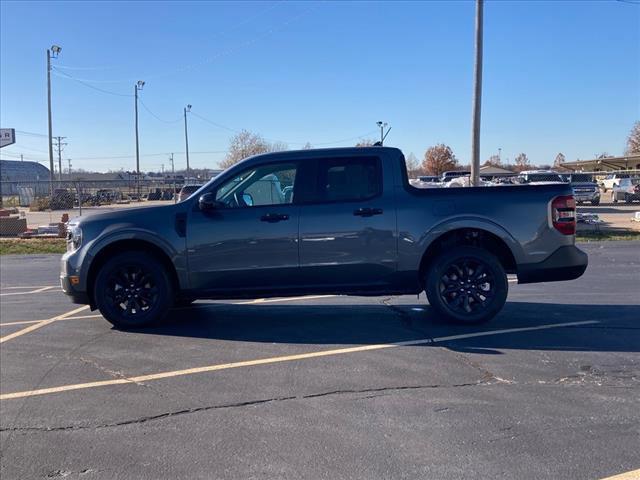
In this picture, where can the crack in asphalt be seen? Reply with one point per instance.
(249, 403)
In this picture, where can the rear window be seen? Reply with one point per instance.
(581, 177)
(349, 179)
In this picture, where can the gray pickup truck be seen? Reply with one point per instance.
(336, 221)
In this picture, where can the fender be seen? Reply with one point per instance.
(470, 222)
(117, 232)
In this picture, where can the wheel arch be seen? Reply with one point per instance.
(478, 236)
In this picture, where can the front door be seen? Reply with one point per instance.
(250, 241)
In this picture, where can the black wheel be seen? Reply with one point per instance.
(628, 198)
(595, 203)
(466, 285)
(132, 290)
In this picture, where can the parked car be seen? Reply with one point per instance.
(627, 189)
(429, 178)
(187, 191)
(613, 179)
(585, 188)
(540, 177)
(451, 174)
(354, 225)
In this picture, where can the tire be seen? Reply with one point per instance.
(133, 290)
(595, 203)
(452, 267)
(628, 198)
(614, 199)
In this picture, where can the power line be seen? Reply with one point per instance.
(31, 134)
(156, 116)
(82, 82)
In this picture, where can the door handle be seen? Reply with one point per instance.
(367, 212)
(273, 217)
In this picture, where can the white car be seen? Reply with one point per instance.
(612, 180)
(627, 189)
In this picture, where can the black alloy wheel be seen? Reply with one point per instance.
(466, 285)
(132, 290)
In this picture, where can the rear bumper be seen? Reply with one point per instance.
(566, 263)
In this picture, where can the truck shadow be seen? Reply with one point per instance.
(615, 327)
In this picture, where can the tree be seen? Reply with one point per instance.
(413, 166)
(365, 143)
(633, 140)
(307, 146)
(494, 160)
(245, 144)
(560, 159)
(604, 155)
(522, 162)
(438, 159)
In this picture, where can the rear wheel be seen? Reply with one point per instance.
(628, 198)
(132, 290)
(595, 202)
(466, 285)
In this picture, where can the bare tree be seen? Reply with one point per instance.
(493, 160)
(413, 166)
(438, 159)
(604, 155)
(633, 140)
(245, 144)
(522, 162)
(365, 143)
(307, 146)
(560, 159)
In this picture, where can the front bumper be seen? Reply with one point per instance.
(70, 269)
(566, 263)
(586, 197)
(69, 289)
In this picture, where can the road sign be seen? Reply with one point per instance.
(7, 136)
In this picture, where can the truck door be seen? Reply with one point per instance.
(250, 240)
(348, 224)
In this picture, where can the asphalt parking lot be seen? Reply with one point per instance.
(325, 387)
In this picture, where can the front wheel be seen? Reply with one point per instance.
(466, 285)
(132, 290)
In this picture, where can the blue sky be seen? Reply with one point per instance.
(558, 76)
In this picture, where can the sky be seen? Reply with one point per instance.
(558, 77)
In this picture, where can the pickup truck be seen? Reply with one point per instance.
(333, 221)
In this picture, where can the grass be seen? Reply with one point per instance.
(18, 246)
(607, 235)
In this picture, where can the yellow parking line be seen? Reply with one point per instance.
(272, 300)
(632, 475)
(14, 287)
(286, 358)
(26, 322)
(39, 290)
(42, 324)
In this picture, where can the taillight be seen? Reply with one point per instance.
(563, 214)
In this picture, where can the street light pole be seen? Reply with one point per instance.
(477, 99)
(186, 137)
(138, 86)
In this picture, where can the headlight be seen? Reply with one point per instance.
(74, 237)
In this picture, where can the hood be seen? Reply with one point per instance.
(138, 214)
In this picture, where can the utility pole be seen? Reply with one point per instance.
(173, 174)
(59, 150)
(477, 99)
(69, 171)
(21, 157)
(55, 49)
(138, 86)
(186, 136)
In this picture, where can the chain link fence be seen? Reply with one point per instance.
(69, 194)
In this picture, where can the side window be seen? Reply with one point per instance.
(259, 186)
(349, 179)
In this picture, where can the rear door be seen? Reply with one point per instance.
(348, 224)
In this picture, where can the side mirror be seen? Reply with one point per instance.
(207, 202)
